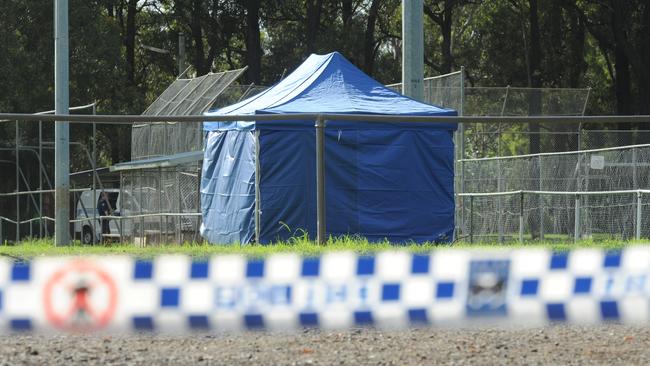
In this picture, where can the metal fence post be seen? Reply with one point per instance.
(122, 211)
(576, 225)
(179, 219)
(503, 110)
(540, 198)
(637, 235)
(635, 184)
(461, 144)
(61, 128)
(320, 181)
(142, 236)
(40, 178)
(199, 177)
(160, 209)
(521, 217)
(499, 203)
(471, 219)
(17, 162)
(181, 54)
(94, 163)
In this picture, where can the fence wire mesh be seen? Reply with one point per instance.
(449, 91)
(164, 191)
(443, 90)
(182, 97)
(552, 216)
(556, 185)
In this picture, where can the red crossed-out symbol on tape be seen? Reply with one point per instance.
(80, 297)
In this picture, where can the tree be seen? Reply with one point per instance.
(534, 75)
(441, 13)
(313, 18)
(253, 43)
(369, 45)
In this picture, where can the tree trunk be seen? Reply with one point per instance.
(314, 9)
(445, 29)
(575, 48)
(641, 68)
(346, 14)
(129, 39)
(197, 38)
(534, 76)
(369, 39)
(622, 79)
(622, 83)
(253, 44)
(346, 43)
(557, 38)
(444, 20)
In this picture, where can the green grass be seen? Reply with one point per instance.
(300, 245)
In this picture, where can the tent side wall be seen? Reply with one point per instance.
(387, 182)
(228, 187)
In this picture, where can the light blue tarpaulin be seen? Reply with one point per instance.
(383, 180)
(228, 186)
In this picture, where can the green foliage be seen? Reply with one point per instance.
(491, 39)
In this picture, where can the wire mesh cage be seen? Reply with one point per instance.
(160, 205)
(167, 200)
(584, 194)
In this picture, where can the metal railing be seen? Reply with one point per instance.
(119, 219)
(320, 126)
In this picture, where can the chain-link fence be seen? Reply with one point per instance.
(503, 139)
(551, 196)
(148, 193)
(443, 90)
(600, 184)
(450, 91)
(546, 215)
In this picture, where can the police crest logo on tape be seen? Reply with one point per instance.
(487, 289)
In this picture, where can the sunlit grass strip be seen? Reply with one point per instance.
(301, 245)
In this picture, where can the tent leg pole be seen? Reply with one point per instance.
(320, 181)
(258, 205)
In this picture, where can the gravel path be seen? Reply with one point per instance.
(571, 345)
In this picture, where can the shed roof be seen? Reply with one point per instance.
(159, 161)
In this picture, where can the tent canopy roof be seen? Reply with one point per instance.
(329, 84)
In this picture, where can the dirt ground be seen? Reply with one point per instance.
(569, 345)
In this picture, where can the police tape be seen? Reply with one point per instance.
(337, 290)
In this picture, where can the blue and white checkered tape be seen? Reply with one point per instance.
(336, 290)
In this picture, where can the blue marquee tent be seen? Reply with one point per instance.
(390, 181)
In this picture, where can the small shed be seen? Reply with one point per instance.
(390, 181)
